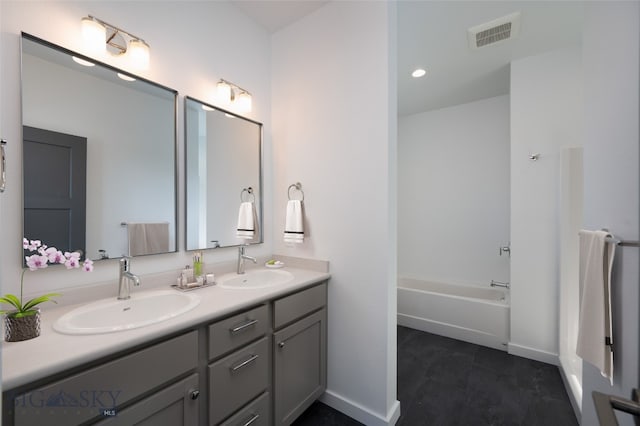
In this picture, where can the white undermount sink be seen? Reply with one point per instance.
(255, 278)
(142, 309)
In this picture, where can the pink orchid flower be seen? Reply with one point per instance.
(36, 261)
(87, 266)
(54, 255)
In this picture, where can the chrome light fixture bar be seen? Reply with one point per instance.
(230, 94)
(101, 36)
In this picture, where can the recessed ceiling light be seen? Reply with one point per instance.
(82, 62)
(126, 77)
(418, 73)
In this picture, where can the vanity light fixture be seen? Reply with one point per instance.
(100, 36)
(230, 94)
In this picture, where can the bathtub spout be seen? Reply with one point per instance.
(499, 284)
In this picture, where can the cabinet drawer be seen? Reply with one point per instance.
(238, 378)
(87, 394)
(255, 414)
(238, 330)
(297, 305)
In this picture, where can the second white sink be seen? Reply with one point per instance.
(256, 278)
(109, 315)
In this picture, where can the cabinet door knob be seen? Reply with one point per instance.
(194, 394)
(281, 345)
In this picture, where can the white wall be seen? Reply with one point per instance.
(453, 193)
(334, 130)
(545, 116)
(611, 74)
(210, 40)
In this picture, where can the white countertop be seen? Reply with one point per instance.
(52, 352)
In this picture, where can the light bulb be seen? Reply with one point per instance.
(94, 35)
(243, 102)
(138, 52)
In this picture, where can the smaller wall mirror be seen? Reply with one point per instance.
(223, 160)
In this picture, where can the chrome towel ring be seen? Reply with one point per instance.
(297, 186)
(250, 195)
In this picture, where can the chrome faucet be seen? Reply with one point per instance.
(242, 257)
(126, 276)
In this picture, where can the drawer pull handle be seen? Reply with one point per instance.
(241, 327)
(194, 394)
(281, 345)
(252, 419)
(243, 363)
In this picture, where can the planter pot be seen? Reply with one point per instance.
(17, 329)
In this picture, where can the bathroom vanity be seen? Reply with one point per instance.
(241, 357)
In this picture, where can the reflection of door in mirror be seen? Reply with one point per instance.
(55, 182)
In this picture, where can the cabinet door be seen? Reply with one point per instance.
(176, 405)
(300, 361)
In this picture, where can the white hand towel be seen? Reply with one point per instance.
(247, 221)
(595, 338)
(293, 225)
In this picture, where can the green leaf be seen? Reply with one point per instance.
(38, 300)
(10, 299)
(25, 314)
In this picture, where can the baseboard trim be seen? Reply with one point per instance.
(360, 413)
(535, 354)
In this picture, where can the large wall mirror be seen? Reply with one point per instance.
(99, 161)
(223, 160)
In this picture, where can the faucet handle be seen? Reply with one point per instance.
(124, 263)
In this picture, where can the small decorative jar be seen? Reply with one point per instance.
(17, 329)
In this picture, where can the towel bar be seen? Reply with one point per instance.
(623, 243)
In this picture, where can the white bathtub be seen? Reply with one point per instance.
(474, 314)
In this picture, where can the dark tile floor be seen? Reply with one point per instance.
(444, 382)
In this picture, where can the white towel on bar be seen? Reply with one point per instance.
(247, 228)
(595, 338)
(147, 238)
(293, 224)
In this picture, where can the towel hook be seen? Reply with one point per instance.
(249, 192)
(297, 186)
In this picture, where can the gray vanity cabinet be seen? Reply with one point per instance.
(261, 366)
(300, 347)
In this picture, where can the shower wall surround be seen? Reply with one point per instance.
(453, 193)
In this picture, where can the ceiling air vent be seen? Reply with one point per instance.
(495, 31)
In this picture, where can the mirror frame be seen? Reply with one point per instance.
(171, 91)
(260, 173)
